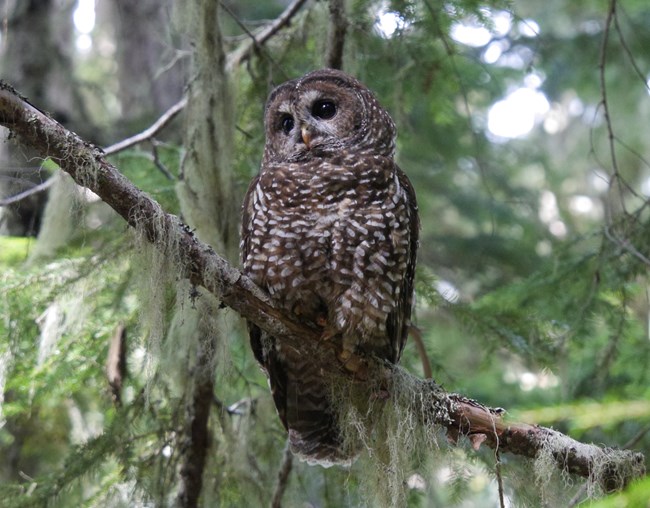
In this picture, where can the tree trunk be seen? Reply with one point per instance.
(41, 68)
(151, 73)
(209, 205)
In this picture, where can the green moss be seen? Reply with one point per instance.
(14, 250)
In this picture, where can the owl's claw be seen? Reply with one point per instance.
(353, 363)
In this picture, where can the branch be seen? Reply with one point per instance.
(244, 51)
(283, 477)
(611, 469)
(150, 131)
(116, 363)
(29, 192)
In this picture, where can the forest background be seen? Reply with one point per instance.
(522, 127)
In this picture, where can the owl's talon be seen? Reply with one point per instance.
(350, 361)
(327, 335)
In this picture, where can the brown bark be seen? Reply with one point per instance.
(38, 66)
(202, 266)
(208, 204)
(338, 27)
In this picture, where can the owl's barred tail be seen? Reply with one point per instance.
(315, 434)
(303, 400)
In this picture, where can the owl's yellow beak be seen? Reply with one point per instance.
(306, 136)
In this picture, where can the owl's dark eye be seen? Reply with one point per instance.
(323, 109)
(286, 124)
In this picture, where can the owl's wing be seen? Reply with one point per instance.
(262, 345)
(247, 213)
(399, 320)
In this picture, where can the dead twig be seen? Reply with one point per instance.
(255, 41)
(26, 193)
(283, 477)
(150, 131)
(416, 334)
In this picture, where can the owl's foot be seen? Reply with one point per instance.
(328, 332)
(354, 363)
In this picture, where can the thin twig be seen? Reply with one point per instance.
(497, 469)
(149, 132)
(29, 192)
(616, 177)
(283, 477)
(158, 163)
(630, 56)
(243, 52)
(256, 44)
(625, 244)
(415, 332)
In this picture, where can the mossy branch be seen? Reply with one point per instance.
(610, 469)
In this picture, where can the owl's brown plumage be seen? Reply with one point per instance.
(330, 231)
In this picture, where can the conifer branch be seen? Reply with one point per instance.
(461, 417)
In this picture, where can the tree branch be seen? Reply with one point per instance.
(283, 477)
(338, 26)
(244, 51)
(29, 192)
(150, 131)
(611, 469)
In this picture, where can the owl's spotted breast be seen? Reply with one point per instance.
(332, 238)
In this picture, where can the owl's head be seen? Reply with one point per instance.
(323, 113)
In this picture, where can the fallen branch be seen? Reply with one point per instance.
(611, 469)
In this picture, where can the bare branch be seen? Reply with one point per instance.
(244, 51)
(604, 102)
(26, 193)
(612, 469)
(416, 334)
(283, 477)
(149, 132)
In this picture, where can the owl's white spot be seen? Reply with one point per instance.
(359, 227)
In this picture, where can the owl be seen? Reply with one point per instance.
(330, 231)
